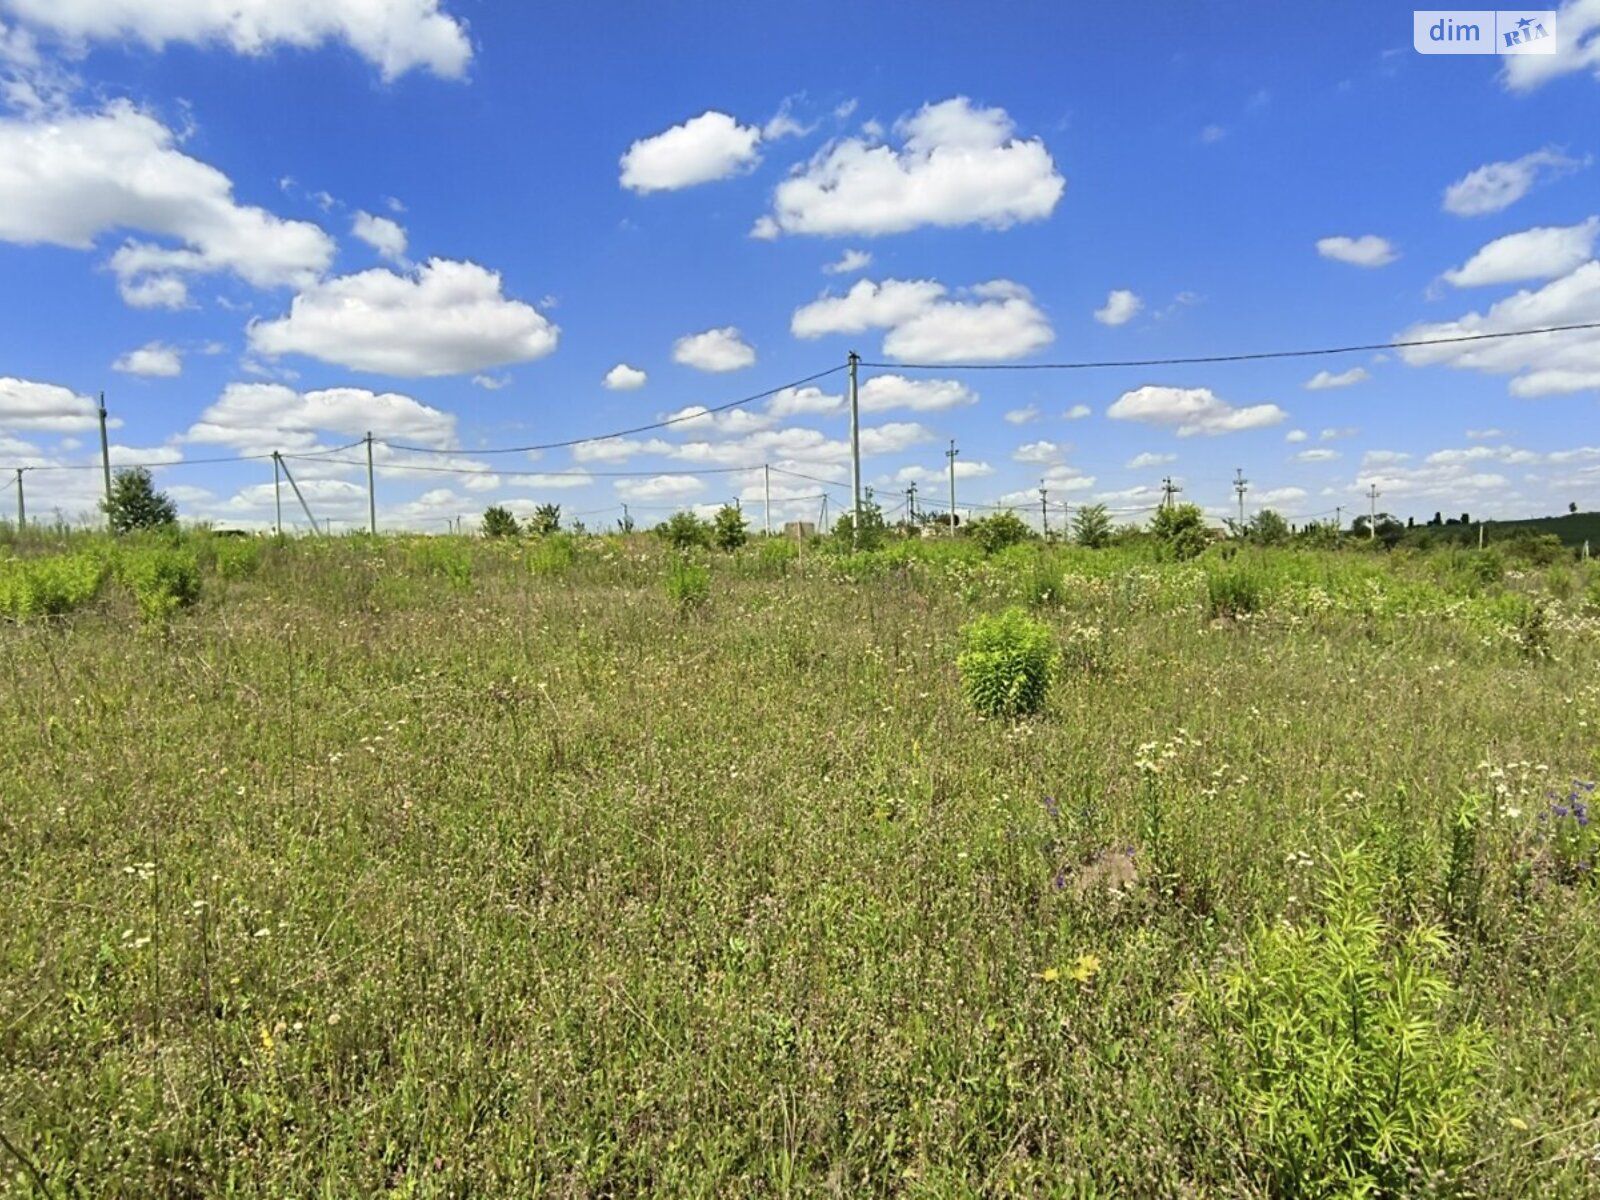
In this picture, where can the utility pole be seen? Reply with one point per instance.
(951, 455)
(1044, 508)
(22, 505)
(372, 496)
(1480, 535)
(766, 502)
(822, 517)
(1338, 518)
(1372, 520)
(277, 494)
(1239, 485)
(627, 523)
(911, 502)
(855, 448)
(105, 458)
(1168, 491)
(278, 458)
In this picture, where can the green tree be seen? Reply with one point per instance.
(1180, 531)
(1268, 528)
(1091, 526)
(546, 519)
(134, 503)
(684, 531)
(873, 528)
(499, 522)
(729, 530)
(999, 530)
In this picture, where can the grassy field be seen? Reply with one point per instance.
(463, 868)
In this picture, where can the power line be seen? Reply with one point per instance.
(601, 437)
(488, 470)
(194, 462)
(1228, 358)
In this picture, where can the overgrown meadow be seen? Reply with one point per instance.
(576, 867)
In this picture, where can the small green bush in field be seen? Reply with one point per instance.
(1006, 663)
(1338, 1049)
(442, 556)
(1235, 591)
(161, 579)
(45, 587)
(237, 558)
(553, 554)
(688, 584)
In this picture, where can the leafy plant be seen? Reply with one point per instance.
(685, 531)
(1268, 528)
(1343, 1065)
(44, 587)
(552, 555)
(161, 579)
(688, 584)
(999, 530)
(1006, 663)
(1235, 590)
(1569, 835)
(873, 529)
(546, 520)
(134, 502)
(499, 521)
(1180, 532)
(1091, 526)
(728, 529)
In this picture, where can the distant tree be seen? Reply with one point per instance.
(1572, 507)
(873, 529)
(999, 530)
(546, 519)
(498, 521)
(728, 528)
(1091, 526)
(1180, 531)
(625, 525)
(134, 503)
(1466, 520)
(685, 531)
(1268, 528)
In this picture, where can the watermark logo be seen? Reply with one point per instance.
(1484, 31)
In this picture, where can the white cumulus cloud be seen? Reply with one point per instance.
(68, 179)
(446, 318)
(1121, 306)
(1541, 253)
(257, 417)
(623, 378)
(394, 35)
(991, 321)
(383, 234)
(849, 263)
(1323, 380)
(46, 407)
(884, 392)
(714, 350)
(151, 359)
(1076, 413)
(708, 147)
(1140, 462)
(1192, 411)
(1577, 48)
(957, 165)
(1369, 250)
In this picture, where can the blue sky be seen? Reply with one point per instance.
(449, 222)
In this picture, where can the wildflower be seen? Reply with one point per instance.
(1053, 807)
(1086, 968)
(1050, 974)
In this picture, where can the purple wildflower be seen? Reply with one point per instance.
(1053, 807)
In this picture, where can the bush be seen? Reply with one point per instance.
(1006, 663)
(873, 529)
(499, 521)
(1045, 585)
(1091, 526)
(1235, 590)
(546, 520)
(688, 584)
(1268, 528)
(998, 531)
(1180, 532)
(46, 587)
(442, 556)
(237, 558)
(728, 529)
(1337, 1051)
(553, 555)
(161, 579)
(685, 531)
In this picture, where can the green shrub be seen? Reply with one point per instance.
(1180, 532)
(236, 558)
(1091, 526)
(688, 584)
(728, 529)
(1235, 590)
(999, 530)
(774, 554)
(499, 521)
(1338, 1052)
(444, 557)
(685, 531)
(45, 587)
(553, 555)
(161, 579)
(1006, 663)
(546, 520)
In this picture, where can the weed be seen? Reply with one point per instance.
(1006, 663)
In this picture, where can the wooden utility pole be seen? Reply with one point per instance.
(22, 505)
(951, 455)
(277, 494)
(1239, 485)
(1044, 508)
(1168, 491)
(1372, 519)
(278, 458)
(855, 448)
(766, 493)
